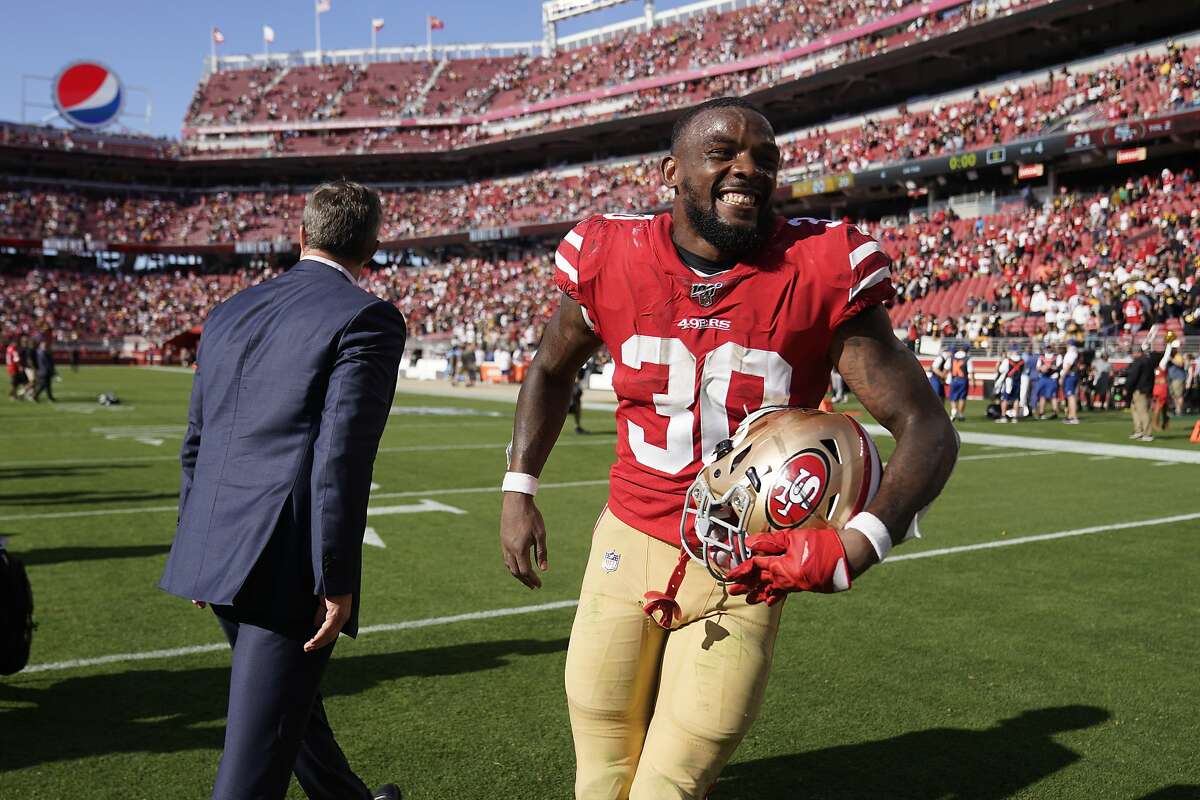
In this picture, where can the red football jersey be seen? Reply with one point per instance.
(695, 354)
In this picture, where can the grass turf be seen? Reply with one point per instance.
(1054, 669)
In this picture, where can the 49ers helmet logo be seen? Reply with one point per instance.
(798, 488)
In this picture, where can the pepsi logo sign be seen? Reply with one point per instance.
(88, 95)
(798, 488)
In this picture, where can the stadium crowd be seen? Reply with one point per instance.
(700, 40)
(457, 90)
(1134, 88)
(69, 305)
(1138, 86)
(1105, 263)
(46, 137)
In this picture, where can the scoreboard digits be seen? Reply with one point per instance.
(963, 161)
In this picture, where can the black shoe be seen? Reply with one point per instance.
(579, 429)
(389, 791)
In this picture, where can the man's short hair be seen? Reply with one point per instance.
(342, 218)
(685, 121)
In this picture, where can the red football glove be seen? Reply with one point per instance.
(805, 560)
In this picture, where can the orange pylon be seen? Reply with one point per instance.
(1195, 438)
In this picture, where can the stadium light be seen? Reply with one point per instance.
(555, 11)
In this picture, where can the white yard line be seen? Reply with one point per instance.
(178, 652)
(584, 441)
(84, 462)
(987, 456)
(498, 446)
(1043, 537)
(102, 512)
(1069, 446)
(494, 613)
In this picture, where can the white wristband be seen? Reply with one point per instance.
(519, 482)
(876, 532)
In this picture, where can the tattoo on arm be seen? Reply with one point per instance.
(890, 383)
(546, 391)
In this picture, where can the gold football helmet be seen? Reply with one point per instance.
(784, 467)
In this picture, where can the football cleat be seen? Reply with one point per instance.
(783, 468)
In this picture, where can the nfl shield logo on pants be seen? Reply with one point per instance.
(706, 293)
(611, 560)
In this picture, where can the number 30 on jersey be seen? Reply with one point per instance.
(677, 404)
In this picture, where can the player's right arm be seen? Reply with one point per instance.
(566, 345)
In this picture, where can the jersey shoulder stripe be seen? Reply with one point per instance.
(569, 252)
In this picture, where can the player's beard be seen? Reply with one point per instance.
(731, 240)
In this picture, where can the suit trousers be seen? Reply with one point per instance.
(277, 722)
(1140, 406)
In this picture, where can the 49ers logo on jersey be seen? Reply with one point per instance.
(798, 488)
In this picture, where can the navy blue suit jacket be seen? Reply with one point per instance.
(294, 383)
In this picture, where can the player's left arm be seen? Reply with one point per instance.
(888, 380)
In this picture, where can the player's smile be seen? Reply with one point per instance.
(739, 198)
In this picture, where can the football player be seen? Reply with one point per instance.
(710, 311)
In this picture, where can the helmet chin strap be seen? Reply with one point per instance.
(664, 603)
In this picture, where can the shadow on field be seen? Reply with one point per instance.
(64, 555)
(64, 471)
(1176, 792)
(81, 497)
(938, 763)
(165, 711)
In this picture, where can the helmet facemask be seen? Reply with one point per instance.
(718, 535)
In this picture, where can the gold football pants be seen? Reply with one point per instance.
(656, 714)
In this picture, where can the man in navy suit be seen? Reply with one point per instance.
(294, 381)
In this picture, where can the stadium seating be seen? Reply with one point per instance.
(1046, 267)
(1131, 85)
(44, 137)
(669, 57)
(1128, 85)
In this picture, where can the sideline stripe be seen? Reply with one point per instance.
(1031, 443)
(1068, 446)
(560, 604)
(1007, 441)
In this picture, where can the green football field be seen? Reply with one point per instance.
(1032, 666)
